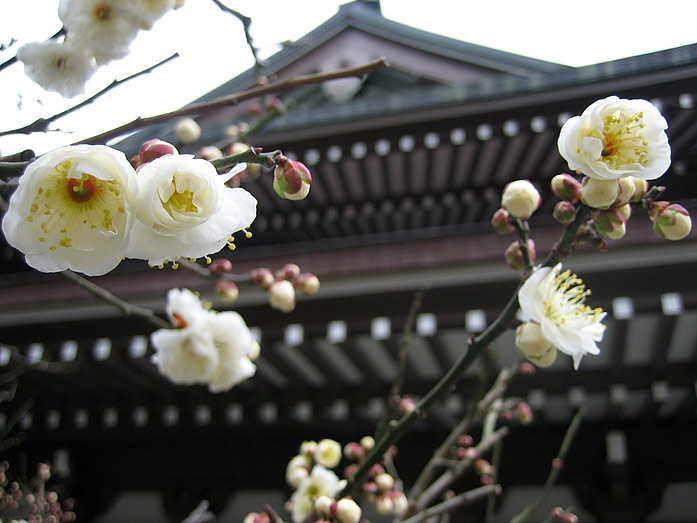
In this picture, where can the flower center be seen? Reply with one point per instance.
(181, 202)
(103, 12)
(565, 301)
(67, 207)
(622, 140)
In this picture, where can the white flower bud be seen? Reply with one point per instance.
(348, 511)
(520, 199)
(328, 453)
(384, 481)
(599, 194)
(383, 504)
(282, 296)
(187, 131)
(367, 442)
(530, 340)
(323, 505)
(626, 191)
(210, 152)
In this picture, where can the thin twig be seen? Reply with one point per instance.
(251, 155)
(225, 101)
(460, 500)
(128, 309)
(557, 465)
(41, 125)
(391, 409)
(246, 23)
(523, 230)
(207, 274)
(200, 514)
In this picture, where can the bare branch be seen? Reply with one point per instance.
(41, 125)
(128, 309)
(234, 99)
(246, 23)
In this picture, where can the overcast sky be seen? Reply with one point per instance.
(213, 49)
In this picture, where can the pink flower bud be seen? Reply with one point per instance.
(523, 412)
(255, 109)
(291, 180)
(599, 194)
(354, 450)
(370, 487)
(465, 440)
(501, 221)
(307, 283)
(261, 277)
(558, 463)
(670, 221)
(514, 255)
(570, 518)
(526, 368)
(376, 470)
(406, 405)
(564, 212)
(556, 513)
(220, 266)
(471, 453)
(210, 152)
(610, 224)
(481, 466)
(226, 291)
(274, 104)
(289, 271)
(350, 470)
(566, 187)
(520, 199)
(152, 149)
(282, 296)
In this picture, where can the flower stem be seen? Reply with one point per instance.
(565, 246)
(251, 155)
(465, 498)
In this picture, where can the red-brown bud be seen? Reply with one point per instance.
(501, 221)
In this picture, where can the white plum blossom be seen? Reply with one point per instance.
(614, 138)
(147, 12)
(57, 66)
(206, 347)
(105, 28)
(320, 482)
(186, 210)
(556, 301)
(236, 349)
(73, 209)
(185, 355)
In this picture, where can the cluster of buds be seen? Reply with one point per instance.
(517, 410)
(282, 284)
(326, 452)
(330, 510)
(563, 516)
(671, 221)
(151, 150)
(485, 470)
(257, 517)
(271, 104)
(381, 490)
(291, 179)
(38, 504)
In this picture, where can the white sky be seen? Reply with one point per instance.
(213, 50)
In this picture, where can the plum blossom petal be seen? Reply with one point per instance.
(73, 209)
(615, 138)
(57, 66)
(320, 482)
(556, 301)
(185, 210)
